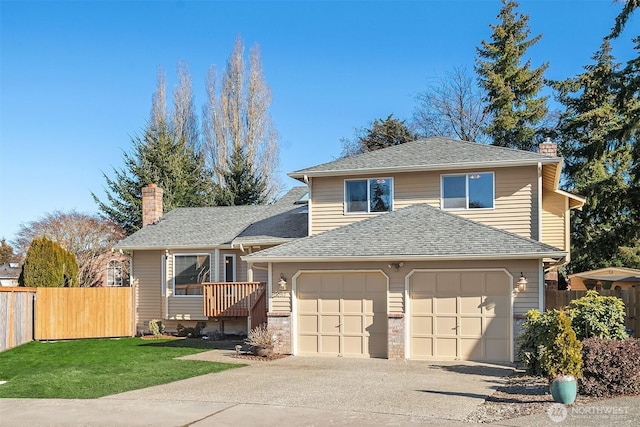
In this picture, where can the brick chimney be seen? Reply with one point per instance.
(548, 148)
(151, 204)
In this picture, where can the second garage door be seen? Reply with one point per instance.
(342, 314)
(461, 315)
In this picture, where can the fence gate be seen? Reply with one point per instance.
(67, 313)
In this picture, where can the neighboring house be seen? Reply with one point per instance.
(432, 249)
(9, 274)
(605, 278)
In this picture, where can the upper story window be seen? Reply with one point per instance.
(189, 272)
(115, 276)
(468, 191)
(368, 195)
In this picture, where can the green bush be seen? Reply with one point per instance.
(48, 264)
(191, 332)
(610, 367)
(156, 327)
(562, 354)
(533, 341)
(595, 315)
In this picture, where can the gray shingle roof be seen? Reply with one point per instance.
(436, 153)
(415, 232)
(220, 225)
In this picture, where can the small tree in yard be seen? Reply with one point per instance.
(48, 264)
(595, 315)
(562, 355)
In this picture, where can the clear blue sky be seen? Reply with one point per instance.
(77, 76)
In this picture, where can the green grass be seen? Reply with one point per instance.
(85, 369)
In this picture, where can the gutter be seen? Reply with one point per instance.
(406, 258)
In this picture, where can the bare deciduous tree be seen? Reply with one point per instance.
(453, 107)
(185, 123)
(236, 117)
(88, 237)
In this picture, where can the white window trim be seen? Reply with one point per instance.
(173, 272)
(466, 196)
(367, 180)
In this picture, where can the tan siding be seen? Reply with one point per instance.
(147, 276)
(515, 206)
(554, 214)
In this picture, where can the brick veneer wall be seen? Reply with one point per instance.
(396, 336)
(280, 323)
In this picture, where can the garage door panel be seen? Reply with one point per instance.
(308, 323)
(448, 283)
(446, 305)
(471, 326)
(471, 305)
(329, 344)
(446, 348)
(422, 325)
(421, 303)
(309, 343)
(496, 349)
(467, 316)
(497, 284)
(330, 323)
(352, 305)
(446, 325)
(351, 314)
(496, 328)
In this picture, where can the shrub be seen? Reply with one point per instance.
(595, 315)
(610, 367)
(262, 337)
(156, 327)
(534, 339)
(48, 264)
(562, 354)
(191, 332)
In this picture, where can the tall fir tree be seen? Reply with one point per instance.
(241, 185)
(512, 87)
(158, 157)
(598, 163)
(383, 133)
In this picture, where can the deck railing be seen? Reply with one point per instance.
(234, 299)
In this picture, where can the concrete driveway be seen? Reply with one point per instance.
(288, 391)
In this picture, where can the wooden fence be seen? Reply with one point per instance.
(630, 297)
(16, 316)
(66, 313)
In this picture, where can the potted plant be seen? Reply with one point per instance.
(562, 360)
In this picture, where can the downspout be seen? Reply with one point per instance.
(307, 181)
(539, 202)
(216, 271)
(269, 288)
(164, 284)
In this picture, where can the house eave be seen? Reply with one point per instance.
(300, 175)
(406, 258)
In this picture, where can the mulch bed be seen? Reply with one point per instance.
(260, 358)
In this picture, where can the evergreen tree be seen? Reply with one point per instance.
(240, 186)
(6, 252)
(48, 264)
(598, 163)
(161, 158)
(381, 134)
(511, 87)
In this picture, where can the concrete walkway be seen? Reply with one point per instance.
(294, 391)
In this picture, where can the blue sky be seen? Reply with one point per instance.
(76, 77)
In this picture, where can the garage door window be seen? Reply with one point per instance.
(368, 195)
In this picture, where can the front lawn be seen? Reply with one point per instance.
(86, 369)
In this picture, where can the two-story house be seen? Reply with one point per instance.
(432, 249)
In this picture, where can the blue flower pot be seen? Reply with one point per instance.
(564, 390)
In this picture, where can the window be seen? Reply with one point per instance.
(368, 195)
(468, 191)
(189, 272)
(114, 273)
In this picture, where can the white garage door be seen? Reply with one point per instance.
(342, 314)
(463, 315)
